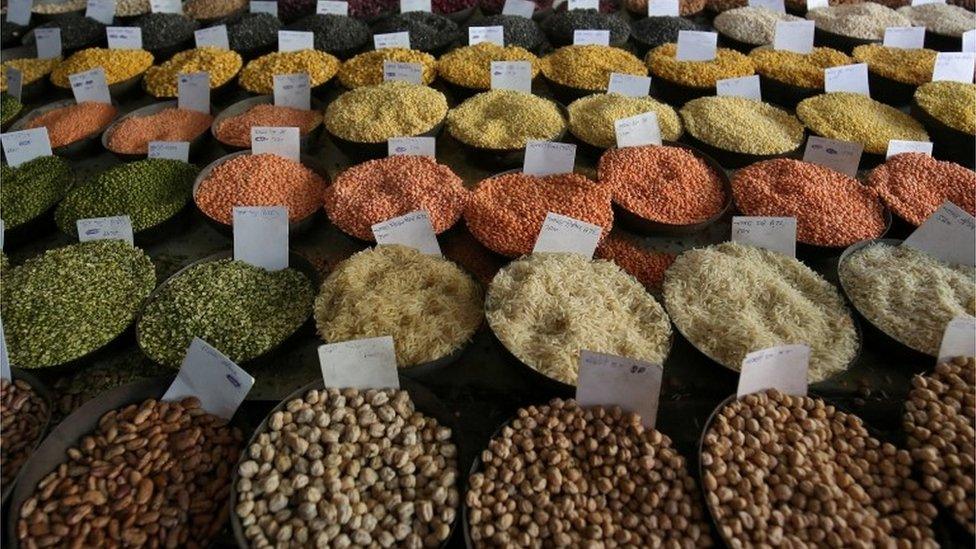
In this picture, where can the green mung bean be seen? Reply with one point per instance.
(31, 188)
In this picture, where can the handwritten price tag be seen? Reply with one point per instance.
(548, 157)
(264, 7)
(511, 75)
(403, 72)
(969, 41)
(847, 78)
(923, 2)
(663, 8)
(897, 146)
(783, 368)
(90, 86)
(745, 86)
(334, 7)
(293, 90)
(638, 130)
(696, 46)
(173, 150)
(47, 42)
(521, 8)
(591, 37)
(817, 4)
(25, 145)
(561, 233)
(495, 35)
(102, 11)
(295, 40)
(193, 91)
(777, 234)
(261, 236)
(908, 38)
(414, 5)
(19, 11)
(629, 85)
(608, 380)
(840, 156)
(959, 338)
(5, 372)
(15, 82)
(283, 142)
(413, 230)
(411, 146)
(124, 38)
(361, 363)
(105, 228)
(796, 36)
(391, 40)
(777, 6)
(166, 6)
(212, 36)
(954, 66)
(948, 235)
(209, 375)
(583, 4)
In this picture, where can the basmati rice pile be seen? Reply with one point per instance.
(428, 304)
(908, 294)
(547, 307)
(729, 300)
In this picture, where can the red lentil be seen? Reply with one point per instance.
(236, 130)
(74, 122)
(505, 212)
(914, 185)
(647, 266)
(831, 209)
(132, 135)
(381, 189)
(260, 180)
(662, 184)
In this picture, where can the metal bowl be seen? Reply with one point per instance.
(890, 91)
(840, 42)
(783, 94)
(950, 143)
(734, 159)
(47, 397)
(195, 144)
(360, 152)
(37, 87)
(676, 94)
(76, 149)
(306, 141)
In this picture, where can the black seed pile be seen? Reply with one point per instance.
(428, 31)
(290, 10)
(10, 33)
(165, 30)
(519, 31)
(651, 32)
(77, 32)
(560, 27)
(335, 34)
(249, 32)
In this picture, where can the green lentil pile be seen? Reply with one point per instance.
(32, 188)
(373, 114)
(742, 125)
(70, 301)
(591, 118)
(505, 119)
(242, 310)
(10, 107)
(149, 191)
(854, 117)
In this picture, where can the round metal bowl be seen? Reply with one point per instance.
(37, 17)
(116, 90)
(815, 251)
(567, 94)
(76, 149)
(942, 42)
(306, 141)
(726, 41)
(507, 158)
(195, 144)
(36, 88)
(890, 91)
(676, 94)
(360, 152)
(734, 159)
(47, 397)
(950, 143)
(29, 231)
(783, 94)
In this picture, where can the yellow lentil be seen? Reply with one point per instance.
(258, 75)
(505, 119)
(589, 67)
(119, 65)
(592, 118)
(220, 63)
(742, 125)
(805, 70)
(366, 69)
(858, 118)
(31, 69)
(697, 74)
(373, 114)
(950, 103)
(907, 66)
(470, 66)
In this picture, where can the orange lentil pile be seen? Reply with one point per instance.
(831, 209)
(647, 266)
(382, 189)
(914, 185)
(505, 212)
(236, 130)
(662, 184)
(132, 135)
(260, 180)
(74, 122)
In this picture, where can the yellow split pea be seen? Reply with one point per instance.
(258, 75)
(589, 67)
(470, 66)
(697, 74)
(119, 65)
(221, 64)
(366, 69)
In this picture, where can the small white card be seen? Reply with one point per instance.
(923, 2)
(906, 38)
(90, 86)
(840, 156)
(796, 36)
(777, 6)
(629, 85)
(284, 142)
(15, 82)
(173, 150)
(949, 235)
(25, 145)
(293, 90)
(413, 230)
(414, 5)
(296, 40)
(591, 37)
(105, 228)
(391, 40)
(334, 7)
(403, 72)
(102, 11)
(745, 86)
(817, 4)
(495, 35)
(19, 11)
(166, 6)
(261, 236)
(264, 7)
(696, 46)
(969, 41)
(561, 233)
(608, 380)
(583, 4)
(48, 42)
(638, 130)
(897, 146)
(783, 368)
(193, 91)
(209, 375)
(954, 66)
(212, 36)
(5, 372)
(360, 363)
(776, 234)
(511, 75)
(521, 8)
(663, 8)
(411, 146)
(847, 78)
(959, 338)
(548, 157)
(124, 38)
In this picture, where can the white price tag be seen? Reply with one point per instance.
(969, 41)
(413, 230)
(19, 12)
(124, 38)
(193, 91)
(949, 235)
(923, 2)
(105, 228)
(638, 130)
(663, 8)
(102, 11)
(15, 82)
(954, 66)
(783, 368)
(334, 7)
(5, 372)
(25, 145)
(897, 146)
(591, 37)
(745, 86)
(296, 40)
(166, 6)
(414, 5)
(776, 234)
(906, 38)
(283, 142)
(411, 146)
(521, 8)
(959, 338)
(48, 42)
(629, 85)
(391, 40)
(548, 157)
(777, 6)
(212, 36)
(90, 86)
(840, 156)
(817, 4)
(511, 75)
(360, 363)
(561, 233)
(696, 46)
(847, 78)
(796, 36)
(173, 150)
(403, 72)
(214, 379)
(582, 4)
(495, 35)
(261, 236)
(264, 7)
(293, 90)
(608, 380)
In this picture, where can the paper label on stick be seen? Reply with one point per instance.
(582, 4)
(212, 36)
(511, 75)
(90, 86)
(284, 142)
(783, 368)
(954, 66)
(696, 46)
(413, 230)
(403, 72)
(102, 11)
(663, 8)
(591, 37)
(548, 157)
(166, 6)
(521, 8)
(193, 91)
(360, 363)
(261, 236)
(334, 7)
(923, 2)
(19, 11)
(293, 90)
(608, 380)
(47, 42)
(949, 235)
(969, 41)
(411, 146)
(209, 375)
(745, 86)
(847, 78)
(906, 38)
(840, 156)
(295, 40)
(629, 85)
(897, 146)
(391, 40)
(777, 234)
(959, 338)
(25, 145)
(638, 130)
(778, 6)
(264, 7)
(495, 35)
(561, 233)
(5, 372)
(414, 5)
(173, 150)
(796, 36)
(816, 4)
(124, 38)
(105, 228)
(15, 82)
